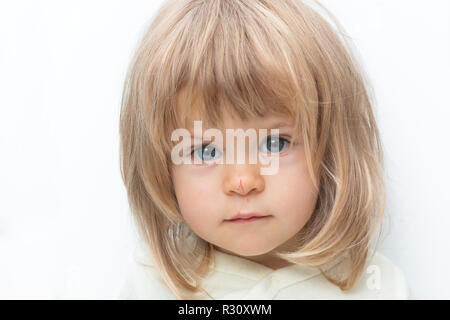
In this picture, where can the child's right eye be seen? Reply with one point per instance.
(206, 152)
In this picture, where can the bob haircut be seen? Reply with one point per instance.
(251, 58)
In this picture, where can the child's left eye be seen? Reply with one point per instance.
(275, 144)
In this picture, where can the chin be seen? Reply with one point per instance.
(251, 250)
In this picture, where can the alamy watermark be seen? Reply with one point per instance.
(373, 281)
(269, 158)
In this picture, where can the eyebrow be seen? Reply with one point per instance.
(280, 124)
(276, 125)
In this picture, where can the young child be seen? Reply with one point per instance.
(216, 230)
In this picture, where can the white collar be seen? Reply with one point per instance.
(239, 266)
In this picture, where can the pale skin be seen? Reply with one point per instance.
(210, 193)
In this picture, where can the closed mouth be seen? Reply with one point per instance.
(249, 219)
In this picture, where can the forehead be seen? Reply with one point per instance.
(228, 118)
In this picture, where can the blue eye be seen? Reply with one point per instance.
(275, 144)
(208, 152)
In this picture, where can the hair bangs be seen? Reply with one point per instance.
(233, 68)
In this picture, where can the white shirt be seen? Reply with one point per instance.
(238, 278)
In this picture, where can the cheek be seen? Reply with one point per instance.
(295, 190)
(192, 193)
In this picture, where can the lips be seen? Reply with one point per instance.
(248, 220)
(247, 216)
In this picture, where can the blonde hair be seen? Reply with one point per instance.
(251, 58)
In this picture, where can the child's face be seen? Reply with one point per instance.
(209, 194)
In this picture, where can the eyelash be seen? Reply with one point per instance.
(285, 138)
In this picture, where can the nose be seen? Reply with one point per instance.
(243, 180)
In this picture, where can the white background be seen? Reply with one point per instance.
(65, 227)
